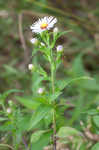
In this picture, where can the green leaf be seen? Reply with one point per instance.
(39, 115)
(5, 94)
(23, 123)
(55, 37)
(6, 127)
(96, 120)
(67, 131)
(92, 112)
(3, 119)
(90, 85)
(64, 83)
(43, 141)
(62, 33)
(36, 136)
(41, 99)
(78, 70)
(11, 70)
(77, 67)
(48, 119)
(28, 102)
(53, 97)
(42, 71)
(95, 147)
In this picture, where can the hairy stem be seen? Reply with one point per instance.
(52, 79)
(54, 130)
(53, 90)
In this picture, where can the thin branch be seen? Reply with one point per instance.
(91, 136)
(22, 38)
(88, 134)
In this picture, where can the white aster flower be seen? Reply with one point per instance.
(30, 66)
(43, 24)
(34, 41)
(40, 91)
(59, 48)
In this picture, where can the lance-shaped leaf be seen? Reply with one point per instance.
(3, 119)
(63, 83)
(28, 102)
(6, 93)
(96, 120)
(39, 114)
(54, 96)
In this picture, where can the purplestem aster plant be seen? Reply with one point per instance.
(49, 107)
(46, 45)
(41, 27)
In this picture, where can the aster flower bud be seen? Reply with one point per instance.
(42, 44)
(55, 30)
(10, 102)
(9, 110)
(98, 108)
(40, 91)
(34, 41)
(31, 67)
(59, 48)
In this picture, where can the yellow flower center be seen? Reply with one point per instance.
(44, 25)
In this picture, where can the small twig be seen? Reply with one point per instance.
(91, 136)
(88, 134)
(22, 39)
(21, 33)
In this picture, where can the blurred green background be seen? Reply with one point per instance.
(81, 46)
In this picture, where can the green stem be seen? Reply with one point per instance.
(3, 107)
(52, 79)
(54, 130)
(54, 112)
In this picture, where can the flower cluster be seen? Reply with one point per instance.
(40, 26)
(44, 41)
